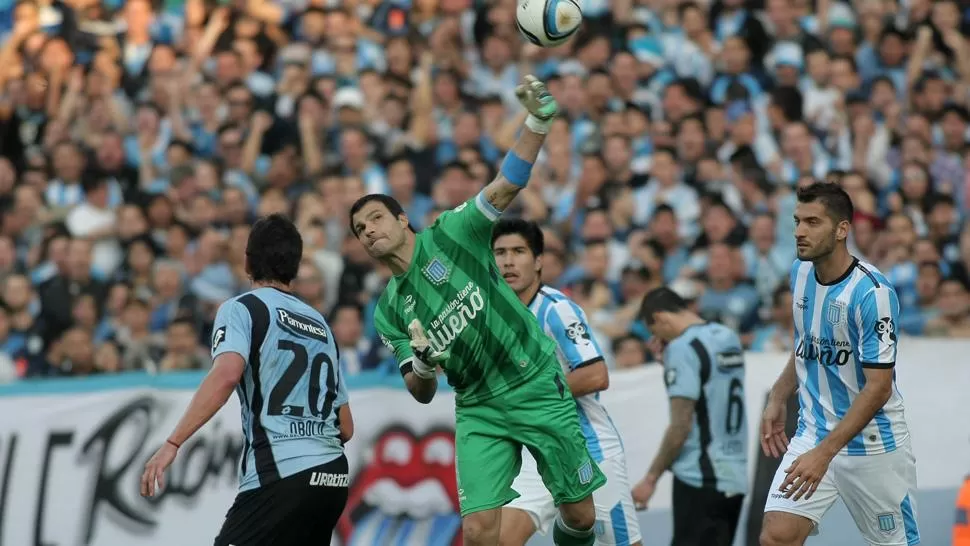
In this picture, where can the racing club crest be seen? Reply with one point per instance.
(436, 272)
(836, 313)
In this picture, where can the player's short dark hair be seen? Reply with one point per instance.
(389, 203)
(659, 300)
(837, 203)
(274, 250)
(530, 231)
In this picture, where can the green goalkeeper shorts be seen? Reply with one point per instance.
(540, 415)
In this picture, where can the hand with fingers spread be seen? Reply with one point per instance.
(805, 474)
(153, 479)
(542, 107)
(774, 441)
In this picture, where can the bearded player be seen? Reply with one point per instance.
(852, 441)
(518, 246)
(448, 306)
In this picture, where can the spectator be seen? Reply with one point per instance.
(138, 144)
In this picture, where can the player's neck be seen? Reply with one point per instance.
(832, 267)
(526, 296)
(687, 321)
(268, 284)
(400, 261)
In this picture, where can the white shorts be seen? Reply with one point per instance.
(616, 519)
(877, 490)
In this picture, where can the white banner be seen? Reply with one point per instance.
(72, 452)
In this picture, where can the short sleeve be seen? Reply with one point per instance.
(470, 222)
(393, 338)
(877, 316)
(566, 323)
(232, 331)
(682, 373)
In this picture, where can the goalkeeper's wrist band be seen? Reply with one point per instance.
(177, 446)
(422, 370)
(538, 126)
(516, 170)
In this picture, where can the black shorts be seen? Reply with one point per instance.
(290, 512)
(704, 516)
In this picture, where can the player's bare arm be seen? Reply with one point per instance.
(681, 421)
(213, 393)
(346, 423)
(517, 167)
(774, 441)
(591, 378)
(421, 389)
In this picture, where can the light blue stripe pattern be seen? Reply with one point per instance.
(812, 384)
(840, 394)
(592, 441)
(909, 521)
(621, 535)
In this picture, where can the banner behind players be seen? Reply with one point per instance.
(71, 453)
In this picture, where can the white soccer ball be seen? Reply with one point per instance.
(548, 23)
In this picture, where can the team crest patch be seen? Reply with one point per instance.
(670, 377)
(887, 523)
(585, 473)
(436, 272)
(836, 313)
(577, 333)
(886, 330)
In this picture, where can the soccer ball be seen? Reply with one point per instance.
(548, 23)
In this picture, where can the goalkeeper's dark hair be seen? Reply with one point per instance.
(274, 250)
(661, 300)
(530, 231)
(389, 203)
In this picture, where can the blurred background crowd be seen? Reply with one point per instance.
(141, 138)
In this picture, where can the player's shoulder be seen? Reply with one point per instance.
(555, 301)
(870, 277)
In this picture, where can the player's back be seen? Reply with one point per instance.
(291, 389)
(841, 328)
(706, 364)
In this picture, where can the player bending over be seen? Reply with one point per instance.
(706, 442)
(280, 357)
(852, 441)
(447, 305)
(518, 247)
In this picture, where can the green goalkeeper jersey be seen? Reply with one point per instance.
(454, 288)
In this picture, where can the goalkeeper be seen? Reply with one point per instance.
(447, 305)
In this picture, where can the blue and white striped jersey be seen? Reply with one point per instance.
(563, 320)
(841, 328)
(291, 388)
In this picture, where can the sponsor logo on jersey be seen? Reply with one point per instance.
(731, 359)
(887, 523)
(326, 479)
(301, 325)
(436, 272)
(836, 314)
(218, 337)
(455, 318)
(577, 333)
(409, 303)
(886, 330)
(801, 303)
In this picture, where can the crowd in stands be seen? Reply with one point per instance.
(140, 139)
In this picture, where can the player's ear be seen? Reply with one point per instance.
(402, 219)
(842, 230)
(538, 264)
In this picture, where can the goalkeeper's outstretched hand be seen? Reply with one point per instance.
(542, 107)
(426, 357)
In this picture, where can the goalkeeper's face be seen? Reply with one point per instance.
(520, 268)
(378, 230)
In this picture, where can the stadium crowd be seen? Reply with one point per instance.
(140, 140)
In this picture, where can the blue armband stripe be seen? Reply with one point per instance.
(516, 170)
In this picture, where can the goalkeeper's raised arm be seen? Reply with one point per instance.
(517, 167)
